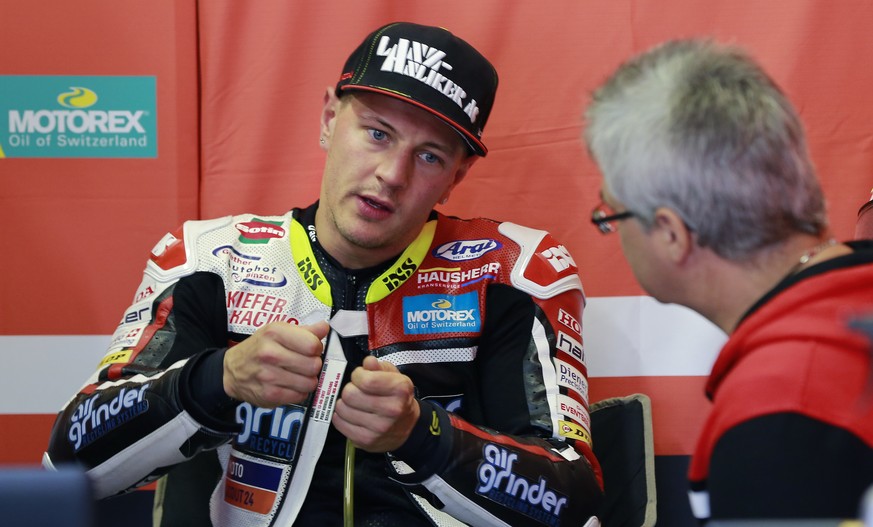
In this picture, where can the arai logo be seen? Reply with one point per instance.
(462, 250)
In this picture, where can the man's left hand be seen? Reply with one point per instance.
(377, 408)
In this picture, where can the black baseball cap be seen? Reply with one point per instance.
(431, 68)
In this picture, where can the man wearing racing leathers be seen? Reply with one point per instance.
(453, 361)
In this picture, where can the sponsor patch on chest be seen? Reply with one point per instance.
(441, 314)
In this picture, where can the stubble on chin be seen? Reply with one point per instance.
(358, 233)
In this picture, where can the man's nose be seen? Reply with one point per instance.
(395, 169)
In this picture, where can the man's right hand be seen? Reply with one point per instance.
(279, 364)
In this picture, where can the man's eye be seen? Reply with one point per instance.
(429, 157)
(378, 135)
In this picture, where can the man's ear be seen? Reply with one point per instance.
(328, 114)
(459, 176)
(674, 238)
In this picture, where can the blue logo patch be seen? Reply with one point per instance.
(271, 432)
(54, 116)
(441, 314)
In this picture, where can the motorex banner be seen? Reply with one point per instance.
(54, 116)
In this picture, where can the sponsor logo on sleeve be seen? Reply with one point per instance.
(574, 410)
(463, 250)
(118, 357)
(571, 430)
(572, 378)
(126, 336)
(137, 314)
(441, 313)
(570, 321)
(559, 258)
(499, 482)
(144, 291)
(248, 269)
(90, 421)
(570, 346)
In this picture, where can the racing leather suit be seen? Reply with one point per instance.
(484, 317)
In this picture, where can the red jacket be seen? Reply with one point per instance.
(790, 433)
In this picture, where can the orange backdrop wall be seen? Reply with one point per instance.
(239, 87)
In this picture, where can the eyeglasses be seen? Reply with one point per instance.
(604, 217)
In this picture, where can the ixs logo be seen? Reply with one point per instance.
(441, 313)
(425, 63)
(399, 274)
(559, 258)
(498, 481)
(78, 116)
(310, 273)
(273, 432)
(90, 422)
(462, 250)
(248, 269)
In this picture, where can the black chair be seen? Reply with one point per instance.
(621, 429)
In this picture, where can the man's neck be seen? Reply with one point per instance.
(346, 255)
(733, 287)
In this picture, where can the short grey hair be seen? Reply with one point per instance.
(700, 128)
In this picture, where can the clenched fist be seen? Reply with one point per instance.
(278, 364)
(377, 408)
